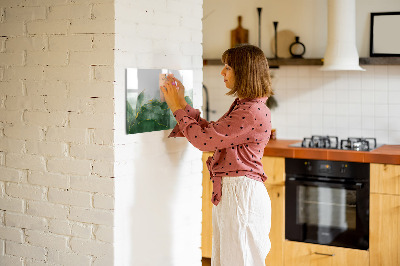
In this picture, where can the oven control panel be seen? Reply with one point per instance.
(336, 169)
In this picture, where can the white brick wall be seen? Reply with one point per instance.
(56, 132)
(62, 141)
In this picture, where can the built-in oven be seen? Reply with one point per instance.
(327, 202)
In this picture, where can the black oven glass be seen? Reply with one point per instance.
(328, 207)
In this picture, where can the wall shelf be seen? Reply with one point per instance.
(274, 63)
(380, 61)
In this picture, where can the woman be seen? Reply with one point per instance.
(242, 208)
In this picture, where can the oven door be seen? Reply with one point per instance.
(327, 213)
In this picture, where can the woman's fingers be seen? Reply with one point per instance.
(179, 83)
(170, 88)
(163, 89)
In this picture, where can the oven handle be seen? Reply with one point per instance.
(357, 185)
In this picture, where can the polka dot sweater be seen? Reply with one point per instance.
(238, 139)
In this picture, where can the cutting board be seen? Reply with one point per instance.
(239, 35)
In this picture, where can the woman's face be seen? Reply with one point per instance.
(229, 76)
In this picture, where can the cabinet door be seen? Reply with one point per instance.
(206, 226)
(277, 233)
(385, 178)
(304, 254)
(384, 229)
(274, 168)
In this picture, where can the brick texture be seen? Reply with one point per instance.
(62, 102)
(56, 123)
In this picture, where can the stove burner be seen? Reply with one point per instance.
(332, 142)
(328, 142)
(358, 144)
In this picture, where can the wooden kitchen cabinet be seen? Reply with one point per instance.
(385, 178)
(277, 233)
(206, 225)
(274, 168)
(305, 254)
(384, 236)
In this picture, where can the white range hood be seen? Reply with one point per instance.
(341, 51)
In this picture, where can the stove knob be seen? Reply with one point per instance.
(343, 168)
(308, 167)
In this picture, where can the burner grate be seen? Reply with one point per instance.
(358, 144)
(327, 142)
(332, 142)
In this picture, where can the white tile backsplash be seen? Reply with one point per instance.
(367, 109)
(329, 109)
(394, 110)
(368, 123)
(367, 97)
(382, 136)
(355, 96)
(381, 84)
(381, 97)
(382, 110)
(394, 123)
(342, 123)
(346, 103)
(394, 97)
(394, 82)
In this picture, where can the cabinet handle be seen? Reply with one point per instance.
(325, 254)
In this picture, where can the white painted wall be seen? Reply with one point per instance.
(56, 132)
(158, 180)
(344, 103)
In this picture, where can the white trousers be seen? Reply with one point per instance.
(241, 223)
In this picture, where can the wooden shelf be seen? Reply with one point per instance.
(380, 61)
(274, 63)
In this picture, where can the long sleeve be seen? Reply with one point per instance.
(193, 113)
(229, 131)
(238, 139)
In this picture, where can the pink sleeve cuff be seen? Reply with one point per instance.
(179, 114)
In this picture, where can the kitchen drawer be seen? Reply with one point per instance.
(385, 178)
(305, 254)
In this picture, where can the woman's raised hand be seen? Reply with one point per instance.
(174, 94)
(181, 91)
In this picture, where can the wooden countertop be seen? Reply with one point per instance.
(389, 154)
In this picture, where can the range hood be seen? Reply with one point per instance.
(341, 51)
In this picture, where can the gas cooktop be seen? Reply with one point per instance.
(332, 142)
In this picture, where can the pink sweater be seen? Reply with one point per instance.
(238, 139)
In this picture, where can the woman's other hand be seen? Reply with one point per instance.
(173, 94)
(181, 91)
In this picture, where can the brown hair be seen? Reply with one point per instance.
(250, 66)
